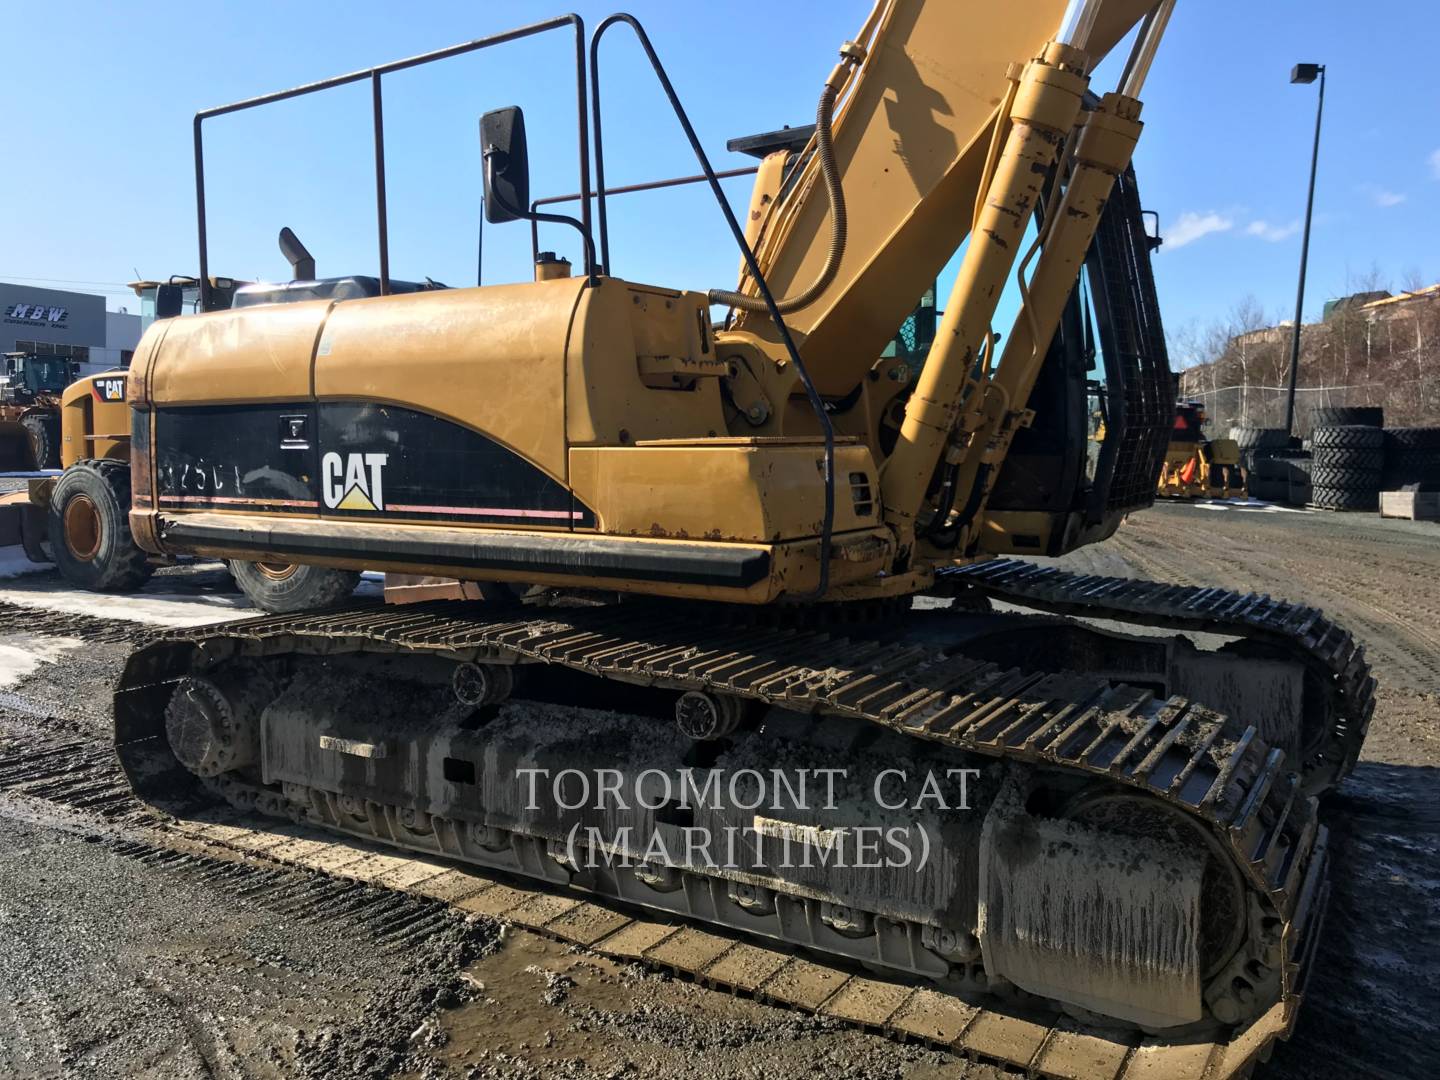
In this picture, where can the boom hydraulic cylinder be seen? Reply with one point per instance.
(1047, 102)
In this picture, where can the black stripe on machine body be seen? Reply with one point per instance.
(692, 563)
(307, 458)
(234, 454)
(436, 470)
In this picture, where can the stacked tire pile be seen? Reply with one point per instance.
(1271, 463)
(1346, 465)
(1412, 456)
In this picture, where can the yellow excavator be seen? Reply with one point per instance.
(726, 551)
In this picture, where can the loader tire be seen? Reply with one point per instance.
(43, 433)
(1275, 468)
(281, 588)
(1344, 478)
(1336, 415)
(1413, 467)
(1416, 460)
(1252, 438)
(1350, 459)
(1344, 499)
(1268, 490)
(1347, 437)
(89, 528)
(1403, 439)
(34, 534)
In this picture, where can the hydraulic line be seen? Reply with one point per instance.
(825, 148)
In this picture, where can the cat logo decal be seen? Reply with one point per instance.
(354, 481)
(111, 388)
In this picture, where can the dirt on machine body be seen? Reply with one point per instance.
(765, 547)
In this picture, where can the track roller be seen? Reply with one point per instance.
(704, 716)
(482, 684)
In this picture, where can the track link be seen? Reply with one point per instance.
(24, 619)
(83, 778)
(1325, 648)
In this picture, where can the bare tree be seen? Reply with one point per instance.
(1412, 280)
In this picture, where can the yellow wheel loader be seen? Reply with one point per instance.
(708, 561)
(30, 387)
(1196, 467)
(80, 520)
(92, 528)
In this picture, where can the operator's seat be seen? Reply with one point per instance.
(337, 288)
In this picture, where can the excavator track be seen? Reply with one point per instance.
(1236, 788)
(1326, 649)
(218, 842)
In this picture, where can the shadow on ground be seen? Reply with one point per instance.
(1370, 1008)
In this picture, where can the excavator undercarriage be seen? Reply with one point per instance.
(540, 744)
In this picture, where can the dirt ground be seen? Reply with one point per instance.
(111, 965)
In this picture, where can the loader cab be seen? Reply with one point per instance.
(28, 376)
(181, 296)
(1189, 423)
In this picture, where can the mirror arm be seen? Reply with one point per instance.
(534, 216)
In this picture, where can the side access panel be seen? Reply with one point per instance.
(234, 415)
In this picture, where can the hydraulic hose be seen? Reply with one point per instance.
(825, 148)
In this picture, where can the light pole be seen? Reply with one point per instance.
(1304, 73)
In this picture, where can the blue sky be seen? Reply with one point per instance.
(98, 181)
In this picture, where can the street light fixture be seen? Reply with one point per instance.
(1304, 73)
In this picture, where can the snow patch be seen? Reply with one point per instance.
(157, 608)
(22, 654)
(14, 562)
(1248, 505)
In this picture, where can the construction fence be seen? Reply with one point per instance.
(1262, 406)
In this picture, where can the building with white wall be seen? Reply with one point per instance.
(57, 322)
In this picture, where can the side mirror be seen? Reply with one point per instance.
(507, 165)
(169, 301)
(1152, 239)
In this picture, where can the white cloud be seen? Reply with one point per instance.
(1191, 226)
(1382, 197)
(1273, 233)
(1434, 160)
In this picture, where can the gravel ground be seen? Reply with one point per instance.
(117, 968)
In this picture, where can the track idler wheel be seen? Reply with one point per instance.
(482, 684)
(703, 716)
(208, 732)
